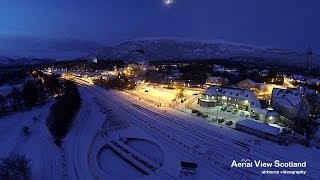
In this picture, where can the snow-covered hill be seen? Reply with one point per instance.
(5, 61)
(176, 49)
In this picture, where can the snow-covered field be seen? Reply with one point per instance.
(160, 94)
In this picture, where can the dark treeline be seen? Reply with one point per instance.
(87, 65)
(121, 82)
(9, 75)
(63, 111)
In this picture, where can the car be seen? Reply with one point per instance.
(235, 111)
(204, 116)
(146, 91)
(215, 119)
(220, 120)
(195, 93)
(223, 108)
(199, 114)
(229, 123)
(241, 113)
(194, 111)
(229, 109)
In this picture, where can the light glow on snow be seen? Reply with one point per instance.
(168, 2)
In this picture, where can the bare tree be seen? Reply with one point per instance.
(15, 167)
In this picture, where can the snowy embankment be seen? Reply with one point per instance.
(45, 158)
(79, 140)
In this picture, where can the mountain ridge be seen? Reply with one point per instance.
(173, 49)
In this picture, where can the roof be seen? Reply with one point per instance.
(256, 125)
(249, 81)
(287, 97)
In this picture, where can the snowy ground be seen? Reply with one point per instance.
(44, 156)
(160, 94)
(107, 118)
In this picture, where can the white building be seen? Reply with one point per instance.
(229, 96)
(220, 81)
(291, 105)
(239, 99)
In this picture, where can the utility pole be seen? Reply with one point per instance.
(297, 125)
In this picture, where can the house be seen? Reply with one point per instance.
(247, 84)
(219, 81)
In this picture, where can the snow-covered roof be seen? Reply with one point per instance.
(234, 93)
(252, 124)
(249, 81)
(287, 97)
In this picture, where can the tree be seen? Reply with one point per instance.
(180, 92)
(2, 103)
(15, 167)
(16, 96)
(30, 94)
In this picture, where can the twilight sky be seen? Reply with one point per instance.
(276, 23)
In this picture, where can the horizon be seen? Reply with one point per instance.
(271, 24)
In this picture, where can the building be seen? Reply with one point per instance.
(259, 129)
(267, 116)
(264, 72)
(292, 106)
(231, 71)
(313, 99)
(219, 81)
(229, 96)
(247, 84)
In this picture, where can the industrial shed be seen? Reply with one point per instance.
(258, 129)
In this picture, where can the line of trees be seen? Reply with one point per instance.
(63, 111)
(120, 83)
(34, 92)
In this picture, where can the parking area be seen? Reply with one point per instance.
(226, 116)
(159, 94)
